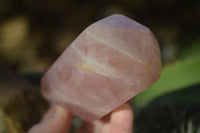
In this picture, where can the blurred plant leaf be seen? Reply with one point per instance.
(174, 77)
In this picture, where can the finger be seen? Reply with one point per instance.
(122, 120)
(105, 128)
(105, 124)
(57, 120)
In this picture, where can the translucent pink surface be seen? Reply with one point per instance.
(107, 64)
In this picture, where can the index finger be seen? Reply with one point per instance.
(122, 119)
(56, 120)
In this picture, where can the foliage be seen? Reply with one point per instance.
(176, 76)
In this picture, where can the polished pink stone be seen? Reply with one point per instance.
(106, 65)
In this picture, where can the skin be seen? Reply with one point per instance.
(58, 120)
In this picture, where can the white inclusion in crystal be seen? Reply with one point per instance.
(118, 49)
(93, 66)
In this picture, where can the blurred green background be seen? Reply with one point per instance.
(33, 33)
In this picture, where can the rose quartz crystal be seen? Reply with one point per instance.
(109, 62)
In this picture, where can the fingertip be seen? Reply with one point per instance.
(56, 120)
(124, 106)
(60, 109)
(124, 112)
(122, 119)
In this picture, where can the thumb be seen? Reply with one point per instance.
(56, 120)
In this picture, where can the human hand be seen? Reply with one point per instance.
(58, 120)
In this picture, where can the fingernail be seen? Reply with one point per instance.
(60, 109)
(53, 111)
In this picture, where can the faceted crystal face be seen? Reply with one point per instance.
(106, 65)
